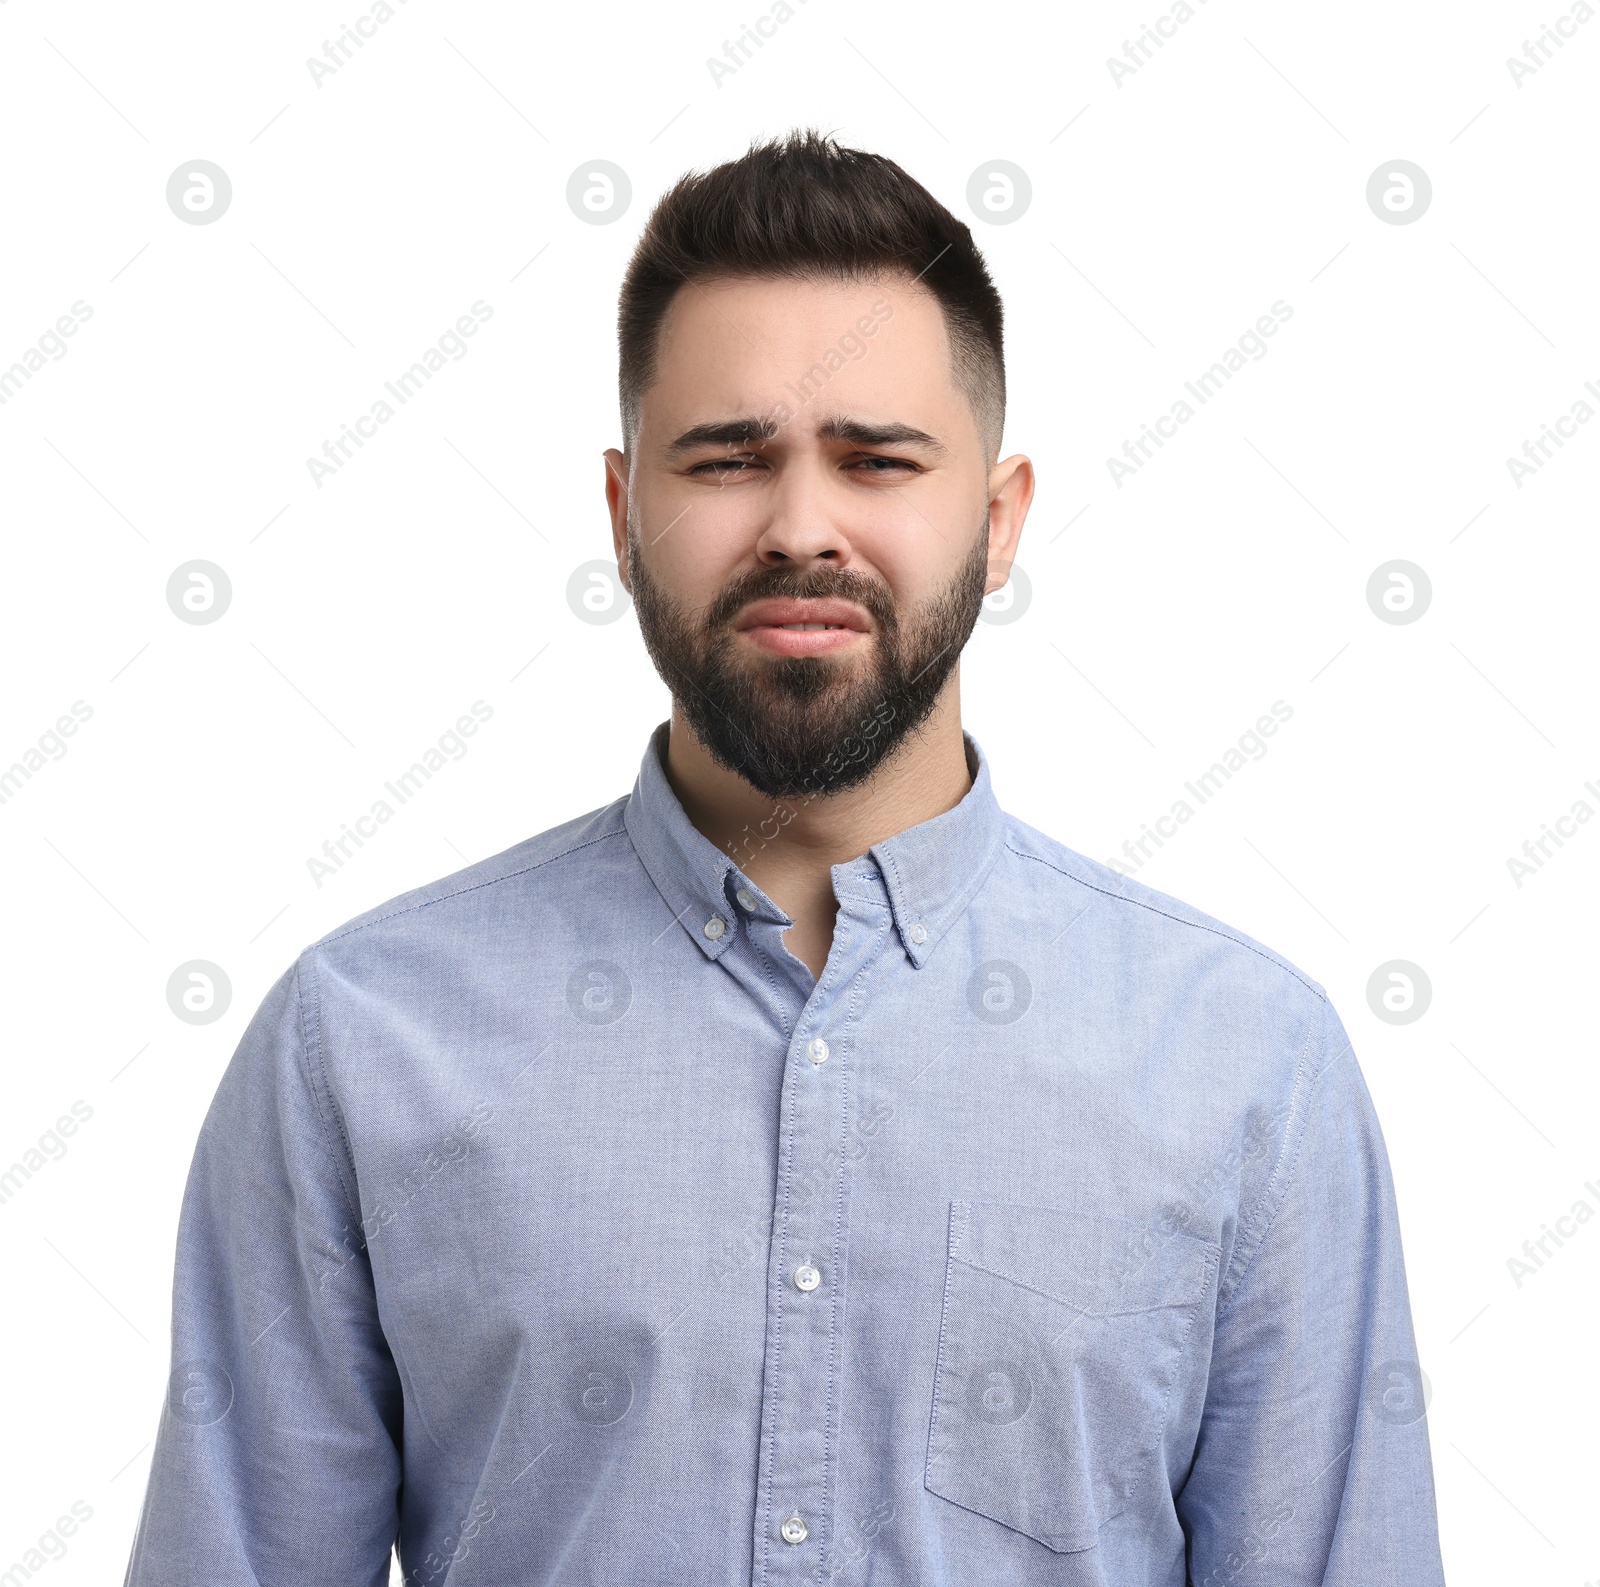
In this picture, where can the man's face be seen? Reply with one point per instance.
(808, 522)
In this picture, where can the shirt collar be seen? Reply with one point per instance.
(929, 872)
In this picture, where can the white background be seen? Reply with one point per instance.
(1167, 613)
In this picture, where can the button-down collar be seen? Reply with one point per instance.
(929, 872)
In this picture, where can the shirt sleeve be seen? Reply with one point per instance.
(277, 1456)
(1313, 1463)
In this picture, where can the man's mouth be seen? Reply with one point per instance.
(804, 627)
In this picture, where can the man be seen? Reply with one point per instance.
(799, 1170)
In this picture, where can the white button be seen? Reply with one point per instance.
(919, 933)
(747, 901)
(793, 1530)
(817, 1050)
(715, 927)
(806, 1277)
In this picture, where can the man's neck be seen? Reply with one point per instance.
(788, 846)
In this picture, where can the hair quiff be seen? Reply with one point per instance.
(801, 206)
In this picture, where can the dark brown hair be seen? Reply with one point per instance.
(802, 206)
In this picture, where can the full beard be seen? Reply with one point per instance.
(808, 725)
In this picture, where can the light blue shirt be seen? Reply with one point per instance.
(1049, 1237)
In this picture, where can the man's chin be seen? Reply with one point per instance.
(812, 687)
(771, 668)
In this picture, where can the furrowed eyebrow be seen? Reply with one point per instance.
(723, 432)
(861, 433)
(757, 431)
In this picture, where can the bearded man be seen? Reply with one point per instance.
(798, 1170)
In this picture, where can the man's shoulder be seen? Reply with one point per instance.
(1133, 918)
(540, 860)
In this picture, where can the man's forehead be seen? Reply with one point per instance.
(765, 362)
(780, 327)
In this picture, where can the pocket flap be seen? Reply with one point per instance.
(1098, 1265)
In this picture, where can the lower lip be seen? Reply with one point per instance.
(802, 641)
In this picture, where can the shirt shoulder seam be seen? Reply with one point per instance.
(1195, 925)
(471, 887)
(1284, 1170)
(322, 1096)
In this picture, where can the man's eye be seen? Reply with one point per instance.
(724, 465)
(884, 465)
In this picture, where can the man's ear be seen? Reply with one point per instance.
(1011, 485)
(617, 506)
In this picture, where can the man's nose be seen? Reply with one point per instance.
(804, 529)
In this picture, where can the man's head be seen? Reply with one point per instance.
(812, 396)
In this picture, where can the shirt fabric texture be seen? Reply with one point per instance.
(554, 1221)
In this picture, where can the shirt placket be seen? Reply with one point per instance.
(806, 1274)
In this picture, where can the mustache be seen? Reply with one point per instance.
(803, 584)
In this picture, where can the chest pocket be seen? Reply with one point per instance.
(1059, 1347)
